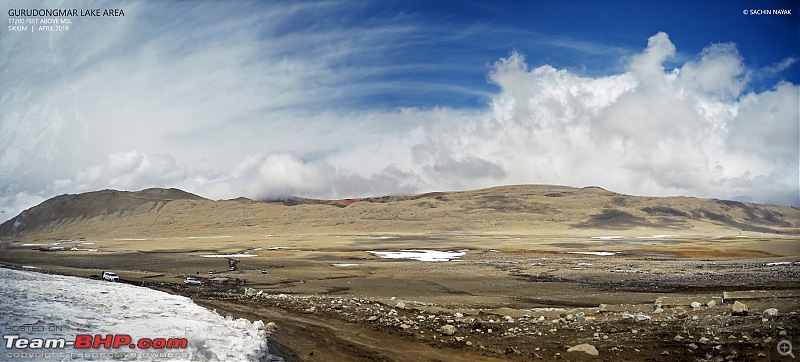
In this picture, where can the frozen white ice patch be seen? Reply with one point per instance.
(606, 237)
(67, 306)
(75, 248)
(656, 236)
(600, 253)
(778, 263)
(230, 256)
(421, 255)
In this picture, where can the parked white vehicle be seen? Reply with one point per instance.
(111, 277)
(191, 281)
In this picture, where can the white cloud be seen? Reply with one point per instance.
(780, 66)
(126, 171)
(718, 73)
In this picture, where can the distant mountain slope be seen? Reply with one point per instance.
(73, 209)
(532, 209)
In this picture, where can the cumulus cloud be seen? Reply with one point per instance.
(126, 171)
(271, 116)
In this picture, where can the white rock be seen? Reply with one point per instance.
(585, 348)
(771, 312)
(739, 308)
(448, 330)
(712, 303)
(696, 305)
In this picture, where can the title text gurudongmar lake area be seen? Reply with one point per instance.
(65, 12)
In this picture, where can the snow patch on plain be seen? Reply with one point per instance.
(421, 255)
(782, 263)
(600, 253)
(230, 256)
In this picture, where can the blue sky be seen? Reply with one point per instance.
(456, 42)
(351, 98)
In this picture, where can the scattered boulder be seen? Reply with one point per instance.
(771, 312)
(448, 330)
(696, 305)
(271, 327)
(739, 309)
(712, 303)
(401, 304)
(704, 340)
(585, 348)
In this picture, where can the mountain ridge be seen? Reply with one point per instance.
(516, 208)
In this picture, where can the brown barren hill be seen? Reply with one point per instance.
(66, 211)
(523, 209)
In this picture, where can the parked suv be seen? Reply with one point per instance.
(111, 277)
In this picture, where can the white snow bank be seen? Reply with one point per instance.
(84, 306)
